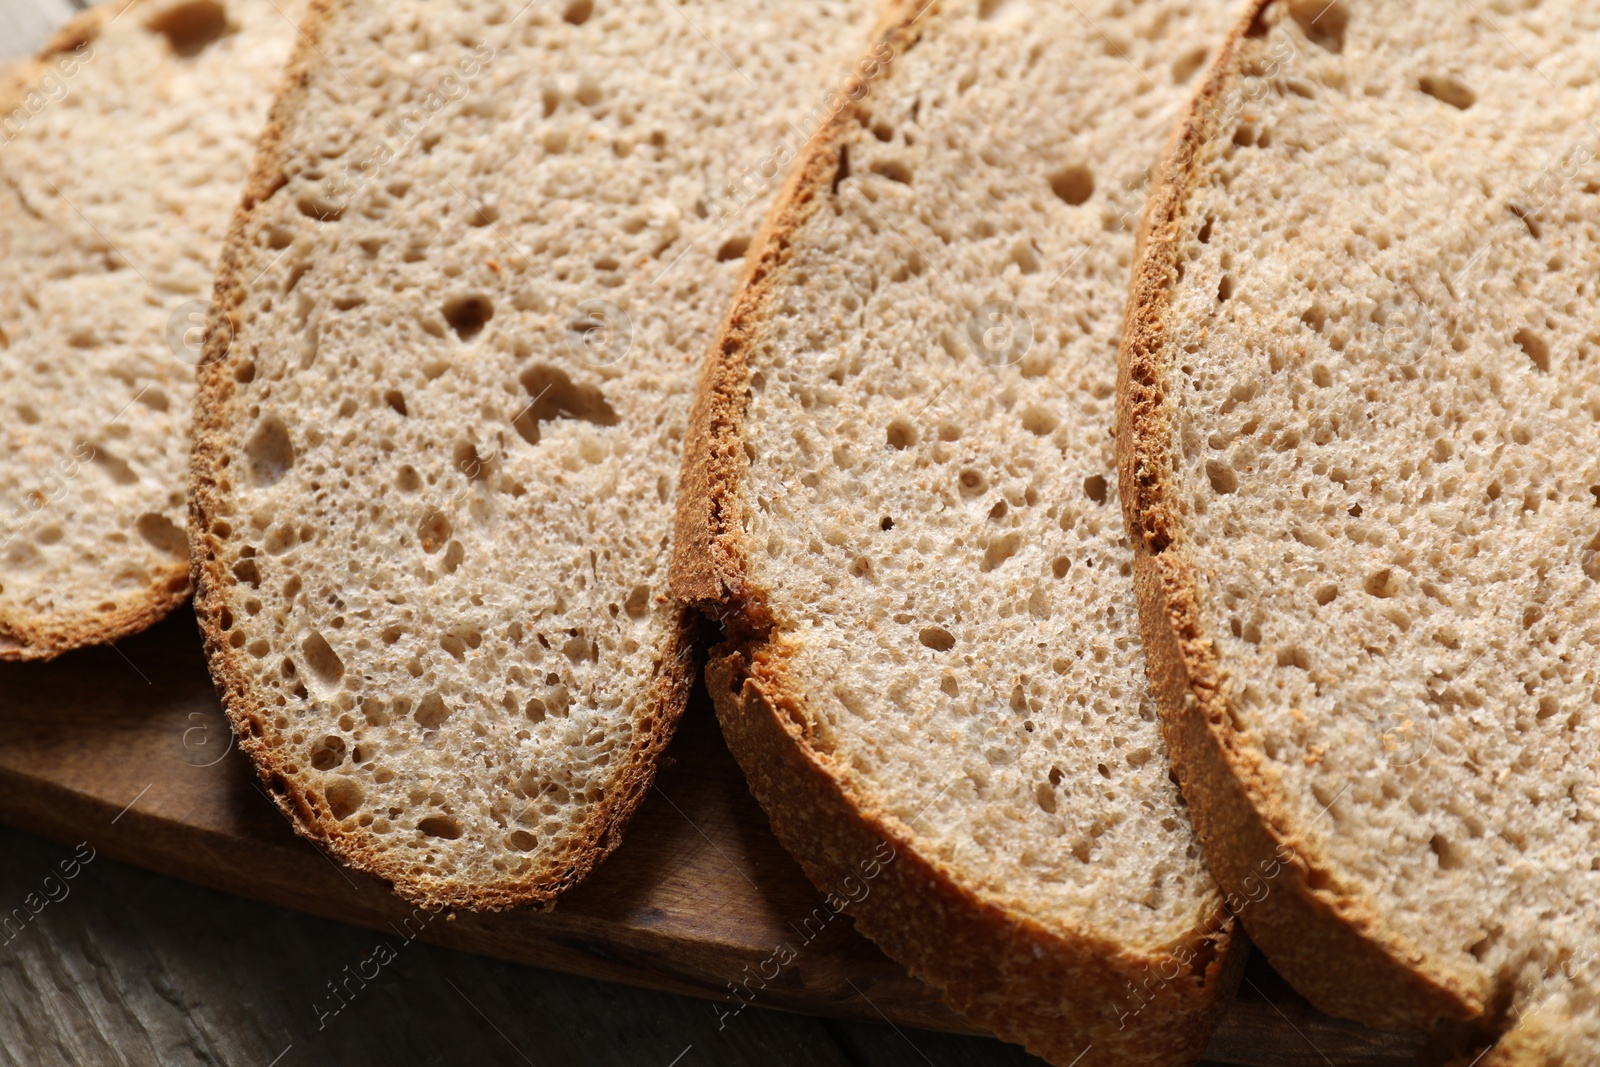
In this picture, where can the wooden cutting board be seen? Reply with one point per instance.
(127, 748)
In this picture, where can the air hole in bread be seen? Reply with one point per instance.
(1447, 89)
(248, 573)
(842, 170)
(483, 215)
(733, 248)
(313, 206)
(344, 797)
(1381, 584)
(431, 712)
(1528, 220)
(162, 534)
(638, 603)
(1184, 67)
(1039, 421)
(116, 468)
(893, 169)
(998, 512)
(1074, 184)
(280, 539)
(1322, 21)
(407, 480)
(327, 753)
(1001, 549)
(577, 12)
(1096, 488)
(1225, 287)
(1449, 858)
(886, 523)
(467, 315)
(1534, 347)
(468, 462)
(269, 451)
(396, 400)
(937, 638)
(320, 657)
(1222, 477)
(190, 27)
(1025, 256)
(972, 482)
(522, 841)
(1294, 656)
(434, 530)
(556, 396)
(440, 826)
(901, 434)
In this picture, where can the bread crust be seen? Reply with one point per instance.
(215, 405)
(1327, 938)
(27, 637)
(999, 967)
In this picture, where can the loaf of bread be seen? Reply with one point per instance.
(438, 435)
(123, 149)
(899, 501)
(1359, 446)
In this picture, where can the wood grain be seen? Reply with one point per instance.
(125, 747)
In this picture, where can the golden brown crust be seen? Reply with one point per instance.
(1000, 968)
(1327, 939)
(29, 638)
(209, 534)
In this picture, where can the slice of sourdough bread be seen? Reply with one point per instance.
(123, 149)
(898, 496)
(1359, 445)
(436, 455)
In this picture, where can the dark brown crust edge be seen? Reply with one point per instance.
(209, 503)
(1001, 969)
(27, 638)
(1329, 942)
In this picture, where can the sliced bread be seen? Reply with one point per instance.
(899, 500)
(439, 433)
(124, 147)
(1359, 444)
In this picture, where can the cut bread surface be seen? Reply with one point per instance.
(124, 147)
(899, 498)
(483, 248)
(1360, 446)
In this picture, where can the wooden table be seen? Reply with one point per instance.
(126, 749)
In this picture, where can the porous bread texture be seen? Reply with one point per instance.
(905, 512)
(1361, 445)
(123, 149)
(434, 474)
